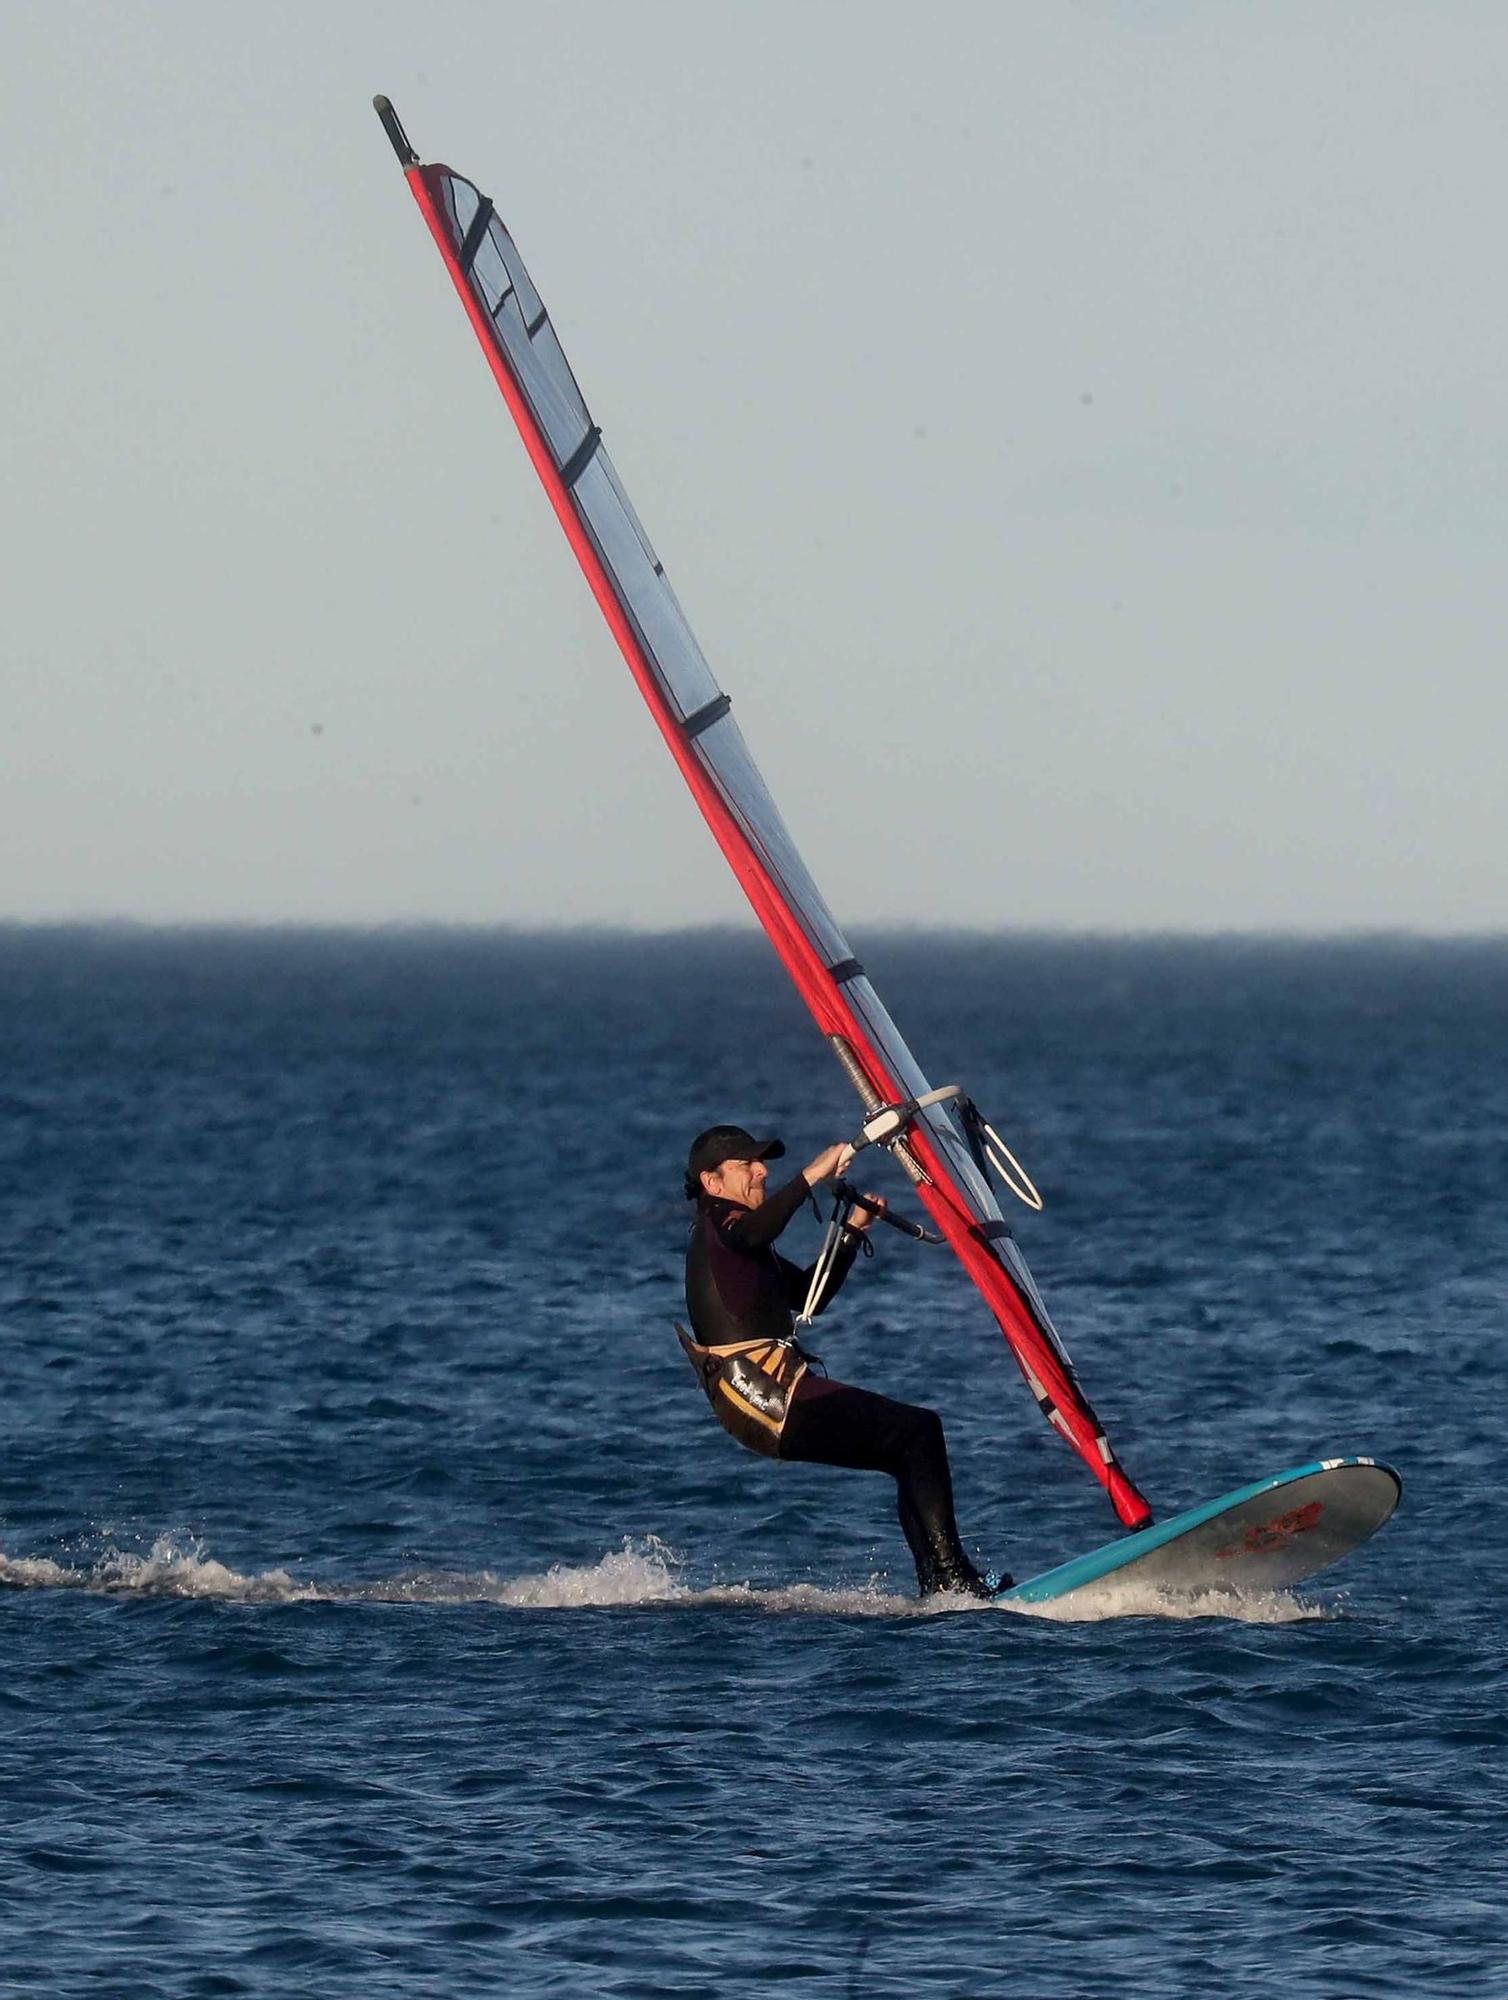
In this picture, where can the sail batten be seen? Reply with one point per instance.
(694, 717)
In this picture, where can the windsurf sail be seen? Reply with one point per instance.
(945, 1146)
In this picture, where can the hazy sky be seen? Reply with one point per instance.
(1078, 433)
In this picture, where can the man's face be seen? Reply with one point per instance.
(738, 1180)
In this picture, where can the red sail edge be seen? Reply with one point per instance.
(1050, 1380)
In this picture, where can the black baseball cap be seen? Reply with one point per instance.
(726, 1142)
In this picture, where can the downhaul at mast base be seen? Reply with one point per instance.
(938, 1136)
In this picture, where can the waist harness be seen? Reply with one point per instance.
(749, 1384)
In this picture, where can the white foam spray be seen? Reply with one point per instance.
(642, 1573)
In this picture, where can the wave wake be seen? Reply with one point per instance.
(640, 1573)
(169, 1569)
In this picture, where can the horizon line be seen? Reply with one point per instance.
(566, 931)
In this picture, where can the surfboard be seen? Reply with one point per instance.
(1264, 1537)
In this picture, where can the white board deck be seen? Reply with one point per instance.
(1267, 1536)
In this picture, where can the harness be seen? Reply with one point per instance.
(749, 1384)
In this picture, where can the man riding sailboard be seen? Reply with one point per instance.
(743, 1297)
(743, 1294)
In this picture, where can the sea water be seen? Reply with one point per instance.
(391, 1618)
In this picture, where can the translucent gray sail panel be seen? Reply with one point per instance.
(940, 1127)
(501, 283)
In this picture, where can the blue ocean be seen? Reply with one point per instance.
(388, 1617)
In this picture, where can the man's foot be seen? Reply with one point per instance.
(967, 1583)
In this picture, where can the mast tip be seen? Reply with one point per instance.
(383, 106)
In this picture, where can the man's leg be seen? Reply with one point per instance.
(930, 1576)
(832, 1423)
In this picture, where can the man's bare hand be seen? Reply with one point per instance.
(860, 1218)
(828, 1165)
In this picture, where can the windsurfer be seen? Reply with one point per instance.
(742, 1294)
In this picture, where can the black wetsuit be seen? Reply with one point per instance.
(738, 1287)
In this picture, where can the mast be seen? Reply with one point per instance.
(938, 1137)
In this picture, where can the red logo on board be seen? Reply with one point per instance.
(1262, 1540)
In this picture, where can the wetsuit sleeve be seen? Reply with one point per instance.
(753, 1228)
